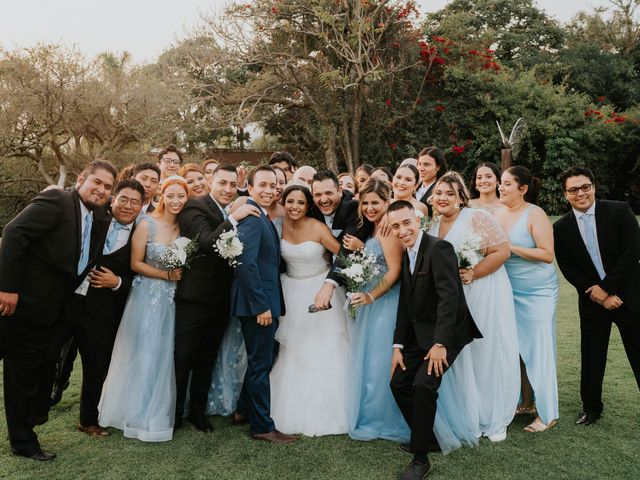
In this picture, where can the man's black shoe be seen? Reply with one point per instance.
(416, 471)
(37, 455)
(586, 419)
(201, 424)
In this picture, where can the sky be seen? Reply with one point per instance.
(147, 27)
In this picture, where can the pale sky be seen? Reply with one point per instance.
(146, 27)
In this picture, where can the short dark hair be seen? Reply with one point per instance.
(438, 156)
(296, 187)
(399, 205)
(472, 181)
(322, 175)
(523, 176)
(170, 148)
(262, 168)
(576, 171)
(224, 168)
(277, 157)
(96, 165)
(145, 166)
(129, 183)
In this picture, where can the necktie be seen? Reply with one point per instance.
(412, 260)
(591, 242)
(86, 241)
(112, 238)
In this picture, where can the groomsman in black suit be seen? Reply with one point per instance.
(597, 246)
(432, 327)
(203, 294)
(432, 165)
(148, 174)
(44, 249)
(98, 317)
(340, 214)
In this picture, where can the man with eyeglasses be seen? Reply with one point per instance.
(169, 161)
(597, 246)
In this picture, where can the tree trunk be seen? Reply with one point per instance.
(330, 155)
(44, 173)
(63, 175)
(505, 159)
(356, 120)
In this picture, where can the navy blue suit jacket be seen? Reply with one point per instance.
(256, 279)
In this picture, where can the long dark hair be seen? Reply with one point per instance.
(296, 187)
(472, 181)
(523, 176)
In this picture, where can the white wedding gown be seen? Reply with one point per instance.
(309, 377)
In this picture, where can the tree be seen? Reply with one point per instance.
(322, 60)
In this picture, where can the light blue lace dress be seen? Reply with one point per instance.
(139, 393)
(372, 411)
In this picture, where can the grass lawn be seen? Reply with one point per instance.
(610, 449)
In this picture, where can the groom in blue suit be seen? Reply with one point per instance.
(256, 299)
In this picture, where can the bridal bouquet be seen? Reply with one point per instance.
(178, 256)
(468, 252)
(360, 268)
(229, 247)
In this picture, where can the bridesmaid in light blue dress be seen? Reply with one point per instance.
(372, 411)
(535, 291)
(479, 394)
(139, 393)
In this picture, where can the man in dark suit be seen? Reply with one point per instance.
(148, 174)
(256, 299)
(98, 315)
(202, 295)
(44, 249)
(432, 165)
(597, 247)
(432, 327)
(340, 214)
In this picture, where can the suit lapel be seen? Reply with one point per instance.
(601, 222)
(78, 214)
(215, 209)
(419, 258)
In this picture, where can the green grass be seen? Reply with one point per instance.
(610, 449)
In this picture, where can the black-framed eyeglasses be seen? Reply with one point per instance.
(574, 190)
(172, 161)
(122, 201)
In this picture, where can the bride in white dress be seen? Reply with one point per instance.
(309, 377)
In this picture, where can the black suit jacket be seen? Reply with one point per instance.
(104, 304)
(619, 243)
(432, 308)
(39, 254)
(425, 197)
(208, 278)
(346, 220)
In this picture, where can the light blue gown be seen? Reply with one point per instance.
(535, 292)
(479, 393)
(228, 373)
(372, 411)
(139, 393)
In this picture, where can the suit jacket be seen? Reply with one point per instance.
(105, 304)
(208, 277)
(619, 243)
(39, 254)
(432, 308)
(256, 284)
(345, 221)
(426, 195)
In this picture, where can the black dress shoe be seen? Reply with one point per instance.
(37, 455)
(238, 419)
(56, 394)
(201, 424)
(416, 471)
(586, 419)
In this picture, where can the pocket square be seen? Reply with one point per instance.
(336, 232)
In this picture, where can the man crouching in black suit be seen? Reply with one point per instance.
(97, 321)
(432, 327)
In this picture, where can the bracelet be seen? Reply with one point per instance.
(370, 296)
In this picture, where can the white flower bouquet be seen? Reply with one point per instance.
(179, 256)
(425, 224)
(468, 252)
(229, 247)
(359, 269)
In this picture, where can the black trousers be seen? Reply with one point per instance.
(416, 394)
(95, 341)
(199, 331)
(595, 332)
(22, 345)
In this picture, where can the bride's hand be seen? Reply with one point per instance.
(352, 243)
(359, 298)
(467, 275)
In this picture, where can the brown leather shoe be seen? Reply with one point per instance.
(274, 436)
(94, 431)
(239, 419)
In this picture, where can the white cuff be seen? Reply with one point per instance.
(398, 345)
(332, 282)
(117, 287)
